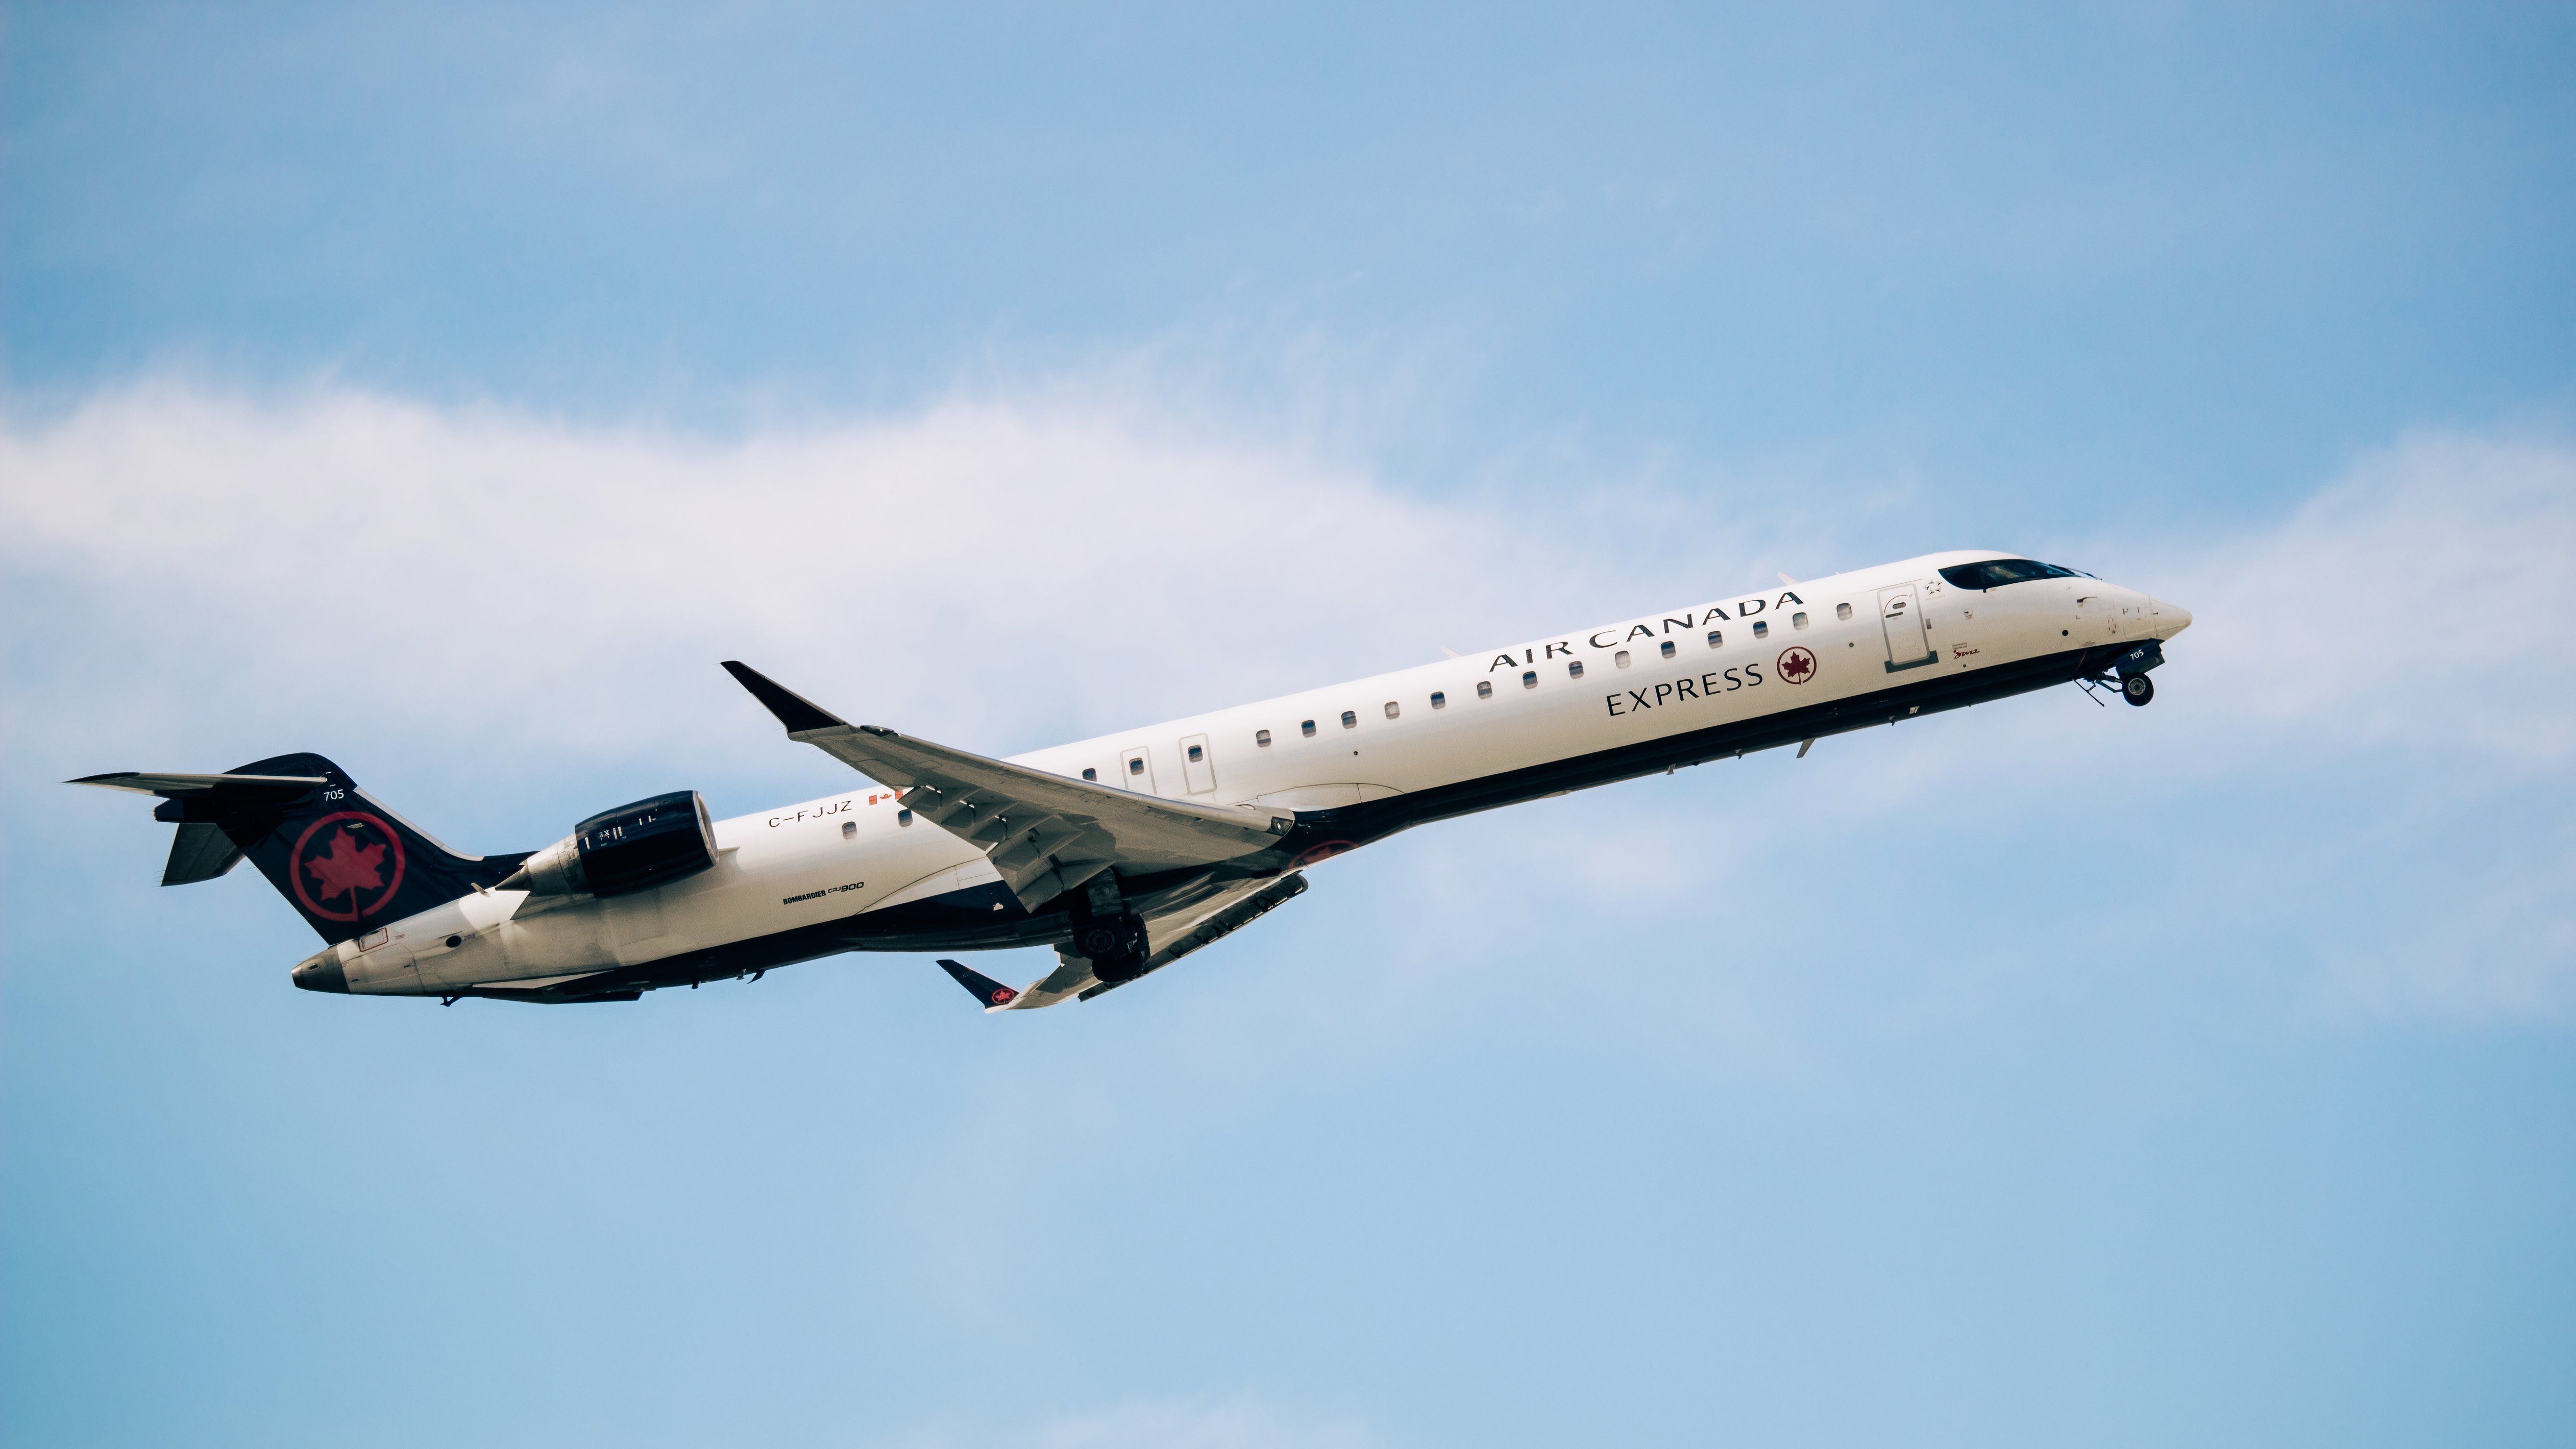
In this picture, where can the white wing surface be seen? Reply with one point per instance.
(1044, 833)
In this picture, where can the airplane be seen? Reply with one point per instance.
(1129, 851)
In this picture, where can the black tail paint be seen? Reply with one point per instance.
(978, 985)
(343, 860)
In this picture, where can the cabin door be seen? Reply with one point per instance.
(1900, 617)
(1136, 771)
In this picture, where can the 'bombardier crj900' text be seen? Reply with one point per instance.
(1129, 851)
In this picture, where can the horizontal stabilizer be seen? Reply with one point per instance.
(983, 988)
(180, 787)
(201, 852)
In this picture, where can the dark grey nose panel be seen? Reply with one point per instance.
(323, 973)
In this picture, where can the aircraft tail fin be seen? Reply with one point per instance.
(344, 861)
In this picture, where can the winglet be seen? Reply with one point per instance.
(983, 988)
(794, 710)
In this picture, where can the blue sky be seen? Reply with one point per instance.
(445, 389)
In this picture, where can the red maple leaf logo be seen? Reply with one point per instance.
(1796, 665)
(347, 867)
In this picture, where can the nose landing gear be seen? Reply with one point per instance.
(2136, 687)
(2128, 674)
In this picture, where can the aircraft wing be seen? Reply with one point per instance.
(1176, 934)
(1182, 932)
(1044, 833)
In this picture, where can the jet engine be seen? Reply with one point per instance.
(619, 852)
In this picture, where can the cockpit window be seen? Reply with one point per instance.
(1995, 573)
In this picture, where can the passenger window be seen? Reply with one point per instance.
(1798, 620)
(903, 816)
(1439, 700)
(1761, 628)
(1574, 669)
(1308, 727)
(849, 828)
(1665, 648)
(1484, 689)
(1092, 775)
(1197, 754)
(1620, 658)
(1393, 709)
(1350, 719)
(1842, 611)
(1529, 679)
(1715, 638)
(1136, 766)
(1261, 738)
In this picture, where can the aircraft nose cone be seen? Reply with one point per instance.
(323, 973)
(2175, 615)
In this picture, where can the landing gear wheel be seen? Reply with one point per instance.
(1123, 969)
(2137, 689)
(1109, 938)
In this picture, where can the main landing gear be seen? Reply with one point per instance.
(1115, 946)
(1107, 934)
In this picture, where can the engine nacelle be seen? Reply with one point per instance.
(619, 852)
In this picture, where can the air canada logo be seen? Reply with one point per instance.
(1004, 996)
(1797, 665)
(346, 865)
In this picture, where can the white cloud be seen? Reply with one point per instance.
(2418, 601)
(1021, 571)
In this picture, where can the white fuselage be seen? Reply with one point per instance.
(851, 855)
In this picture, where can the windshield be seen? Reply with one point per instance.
(1994, 573)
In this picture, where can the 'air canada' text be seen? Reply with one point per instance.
(1612, 636)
